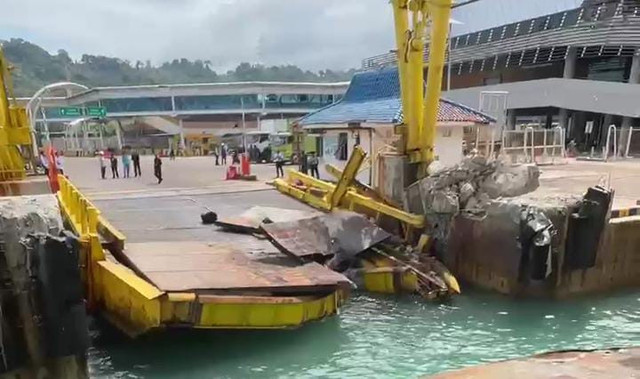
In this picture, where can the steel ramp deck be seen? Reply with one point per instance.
(168, 245)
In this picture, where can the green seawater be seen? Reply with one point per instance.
(378, 337)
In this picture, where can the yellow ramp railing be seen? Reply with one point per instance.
(82, 214)
(135, 305)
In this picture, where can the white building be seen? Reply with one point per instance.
(366, 116)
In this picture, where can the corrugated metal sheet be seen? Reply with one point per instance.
(374, 97)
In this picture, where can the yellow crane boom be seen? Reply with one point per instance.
(412, 18)
(14, 128)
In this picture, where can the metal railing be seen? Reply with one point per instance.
(80, 212)
(607, 147)
(549, 143)
(83, 217)
(628, 153)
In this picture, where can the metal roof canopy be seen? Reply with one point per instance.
(613, 98)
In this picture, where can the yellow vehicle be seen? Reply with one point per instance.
(285, 142)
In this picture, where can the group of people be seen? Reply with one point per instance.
(128, 159)
(221, 153)
(59, 160)
(307, 163)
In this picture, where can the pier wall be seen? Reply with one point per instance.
(486, 252)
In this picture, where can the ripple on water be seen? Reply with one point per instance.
(385, 337)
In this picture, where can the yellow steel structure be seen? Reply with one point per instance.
(412, 18)
(136, 306)
(350, 200)
(14, 128)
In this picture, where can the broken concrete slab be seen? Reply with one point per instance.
(495, 240)
(471, 183)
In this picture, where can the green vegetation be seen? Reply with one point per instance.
(35, 67)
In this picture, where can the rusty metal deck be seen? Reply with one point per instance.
(168, 245)
(183, 266)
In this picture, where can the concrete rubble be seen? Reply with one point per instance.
(23, 220)
(466, 189)
(469, 186)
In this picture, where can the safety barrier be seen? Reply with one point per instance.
(631, 143)
(607, 148)
(81, 213)
(540, 146)
(625, 212)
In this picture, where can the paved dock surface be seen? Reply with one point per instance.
(199, 175)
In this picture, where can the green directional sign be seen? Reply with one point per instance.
(79, 112)
(71, 111)
(96, 111)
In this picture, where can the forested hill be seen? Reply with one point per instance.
(35, 67)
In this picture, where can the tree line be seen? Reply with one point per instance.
(35, 67)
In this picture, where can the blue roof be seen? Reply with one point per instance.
(374, 97)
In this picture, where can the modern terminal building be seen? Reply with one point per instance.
(578, 68)
(148, 114)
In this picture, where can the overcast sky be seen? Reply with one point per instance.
(313, 34)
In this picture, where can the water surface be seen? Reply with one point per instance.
(378, 337)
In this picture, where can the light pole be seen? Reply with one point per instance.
(244, 126)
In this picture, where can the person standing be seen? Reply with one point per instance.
(216, 153)
(304, 165)
(172, 155)
(223, 154)
(103, 164)
(135, 157)
(114, 166)
(157, 168)
(313, 165)
(279, 161)
(44, 162)
(126, 164)
(60, 162)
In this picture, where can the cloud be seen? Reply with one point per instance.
(313, 34)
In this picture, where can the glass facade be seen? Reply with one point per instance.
(298, 101)
(138, 104)
(216, 102)
(204, 103)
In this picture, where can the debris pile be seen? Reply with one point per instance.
(348, 243)
(468, 189)
(469, 186)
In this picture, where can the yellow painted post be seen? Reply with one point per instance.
(74, 206)
(84, 222)
(92, 216)
(439, 11)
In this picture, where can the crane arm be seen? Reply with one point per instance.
(420, 107)
(14, 128)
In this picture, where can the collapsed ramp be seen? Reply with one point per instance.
(206, 278)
